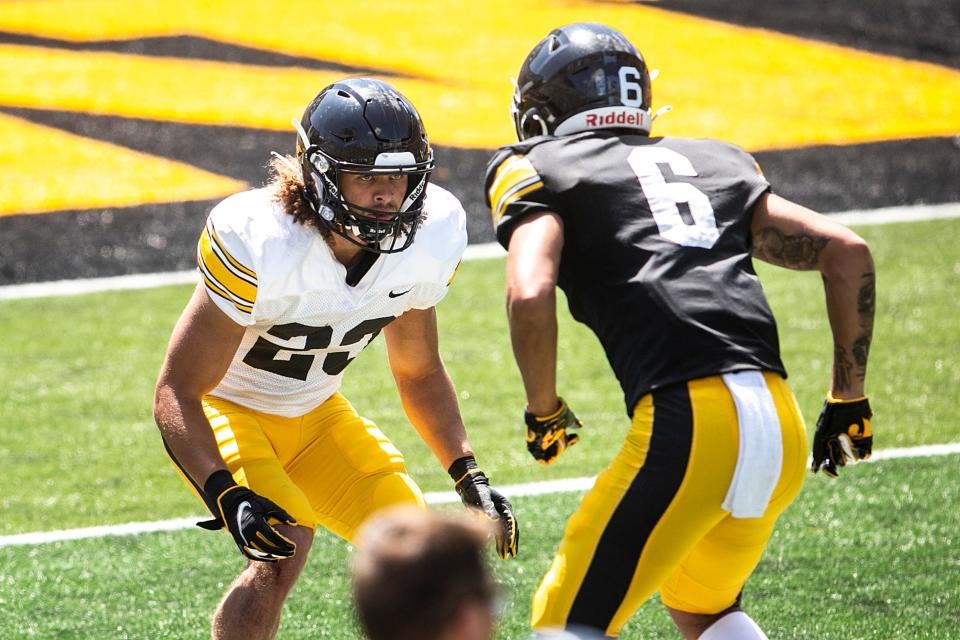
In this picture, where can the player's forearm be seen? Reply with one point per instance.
(187, 433)
(430, 402)
(849, 284)
(533, 334)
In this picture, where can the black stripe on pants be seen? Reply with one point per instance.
(611, 570)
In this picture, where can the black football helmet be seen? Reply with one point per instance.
(580, 77)
(364, 126)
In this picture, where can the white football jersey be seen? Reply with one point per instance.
(304, 323)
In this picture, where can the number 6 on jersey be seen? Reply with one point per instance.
(663, 197)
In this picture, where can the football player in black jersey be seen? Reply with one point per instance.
(652, 239)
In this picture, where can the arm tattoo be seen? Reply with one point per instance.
(793, 252)
(867, 297)
(866, 307)
(842, 367)
(861, 349)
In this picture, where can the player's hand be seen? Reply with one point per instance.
(843, 434)
(549, 436)
(249, 518)
(474, 490)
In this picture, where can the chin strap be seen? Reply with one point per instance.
(654, 74)
(662, 110)
(304, 138)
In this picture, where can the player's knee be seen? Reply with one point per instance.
(283, 575)
(394, 488)
(302, 537)
(693, 625)
(729, 624)
(734, 626)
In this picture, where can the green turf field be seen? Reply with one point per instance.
(872, 556)
(875, 557)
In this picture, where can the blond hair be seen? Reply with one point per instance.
(288, 190)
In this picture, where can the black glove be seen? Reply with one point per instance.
(474, 490)
(548, 437)
(843, 433)
(248, 517)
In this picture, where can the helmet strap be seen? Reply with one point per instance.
(304, 138)
(661, 111)
(414, 194)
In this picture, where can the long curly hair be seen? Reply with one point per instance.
(287, 185)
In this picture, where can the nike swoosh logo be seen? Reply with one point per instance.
(397, 295)
(242, 509)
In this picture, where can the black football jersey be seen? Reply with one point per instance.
(656, 257)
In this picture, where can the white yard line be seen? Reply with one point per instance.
(566, 485)
(474, 252)
(150, 280)
(889, 215)
(94, 285)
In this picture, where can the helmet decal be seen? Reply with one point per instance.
(606, 118)
(399, 160)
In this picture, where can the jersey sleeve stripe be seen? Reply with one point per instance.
(520, 190)
(233, 262)
(217, 287)
(216, 267)
(227, 259)
(514, 170)
(456, 269)
(213, 288)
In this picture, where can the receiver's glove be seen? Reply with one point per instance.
(843, 434)
(248, 517)
(475, 492)
(549, 436)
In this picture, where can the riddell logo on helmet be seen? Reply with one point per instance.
(611, 117)
(630, 118)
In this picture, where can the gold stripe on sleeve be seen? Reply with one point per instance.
(213, 287)
(233, 261)
(518, 192)
(454, 274)
(217, 266)
(512, 172)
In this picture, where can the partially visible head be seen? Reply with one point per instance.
(355, 135)
(582, 77)
(421, 575)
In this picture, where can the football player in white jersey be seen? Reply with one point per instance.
(348, 239)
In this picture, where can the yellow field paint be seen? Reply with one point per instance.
(757, 88)
(96, 20)
(45, 169)
(180, 90)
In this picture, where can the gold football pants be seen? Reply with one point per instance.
(653, 521)
(330, 467)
